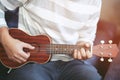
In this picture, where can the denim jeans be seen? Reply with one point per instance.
(55, 70)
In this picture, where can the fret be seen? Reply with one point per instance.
(61, 48)
(57, 48)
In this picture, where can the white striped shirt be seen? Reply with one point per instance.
(66, 22)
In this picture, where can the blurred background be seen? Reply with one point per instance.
(111, 12)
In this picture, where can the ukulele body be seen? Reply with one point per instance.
(40, 54)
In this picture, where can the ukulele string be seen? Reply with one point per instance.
(57, 48)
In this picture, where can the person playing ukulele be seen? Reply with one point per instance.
(66, 22)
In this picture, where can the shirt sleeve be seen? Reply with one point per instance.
(88, 33)
(12, 4)
(2, 18)
(8, 5)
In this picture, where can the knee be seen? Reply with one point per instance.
(90, 73)
(87, 72)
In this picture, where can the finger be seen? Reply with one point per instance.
(24, 56)
(29, 46)
(83, 53)
(89, 54)
(78, 55)
(15, 59)
(19, 58)
(87, 45)
(75, 54)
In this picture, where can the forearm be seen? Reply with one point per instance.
(3, 33)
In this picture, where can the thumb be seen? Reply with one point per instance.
(29, 46)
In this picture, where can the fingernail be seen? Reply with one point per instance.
(33, 47)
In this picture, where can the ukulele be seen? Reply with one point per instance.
(44, 49)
